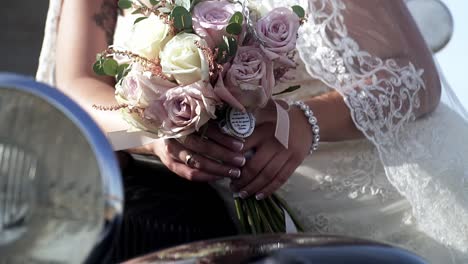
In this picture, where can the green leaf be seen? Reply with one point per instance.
(139, 19)
(234, 29)
(299, 11)
(290, 89)
(182, 18)
(154, 2)
(125, 4)
(232, 43)
(98, 68)
(123, 68)
(110, 67)
(122, 71)
(228, 47)
(237, 18)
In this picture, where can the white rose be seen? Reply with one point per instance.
(183, 61)
(149, 36)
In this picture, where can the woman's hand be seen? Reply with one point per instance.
(197, 158)
(271, 164)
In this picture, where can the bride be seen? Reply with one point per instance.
(391, 164)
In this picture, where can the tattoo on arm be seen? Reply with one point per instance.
(106, 18)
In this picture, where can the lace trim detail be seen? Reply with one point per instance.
(367, 177)
(381, 94)
(383, 98)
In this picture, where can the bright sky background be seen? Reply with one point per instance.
(454, 56)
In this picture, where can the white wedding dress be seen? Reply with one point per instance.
(407, 182)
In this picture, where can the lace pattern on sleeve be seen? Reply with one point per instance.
(383, 97)
(380, 93)
(46, 69)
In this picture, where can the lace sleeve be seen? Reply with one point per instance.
(372, 53)
(46, 69)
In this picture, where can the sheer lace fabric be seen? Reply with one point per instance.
(345, 44)
(46, 69)
(407, 183)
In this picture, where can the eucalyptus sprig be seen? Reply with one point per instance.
(227, 49)
(182, 19)
(105, 66)
(300, 12)
(235, 24)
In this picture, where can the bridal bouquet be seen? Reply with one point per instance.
(188, 62)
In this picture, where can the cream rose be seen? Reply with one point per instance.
(183, 61)
(149, 36)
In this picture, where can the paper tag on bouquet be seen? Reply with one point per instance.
(237, 123)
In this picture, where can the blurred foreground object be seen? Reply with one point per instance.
(60, 187)
(290, 248)
(434, 21)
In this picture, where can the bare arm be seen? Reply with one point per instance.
(86, 28)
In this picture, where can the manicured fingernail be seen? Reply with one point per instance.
(237, 145)
(239, 161)
(234, 173)
(260, 196)
(243, 194)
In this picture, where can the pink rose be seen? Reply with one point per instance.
(210, 19)
(183, 110)
(278, 32)
(140, 87)
(250, 78)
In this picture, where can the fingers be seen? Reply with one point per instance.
(190, 173)
(266, 177)
(214, 133)
(216, 151)
(200, 163)
(279, 180)
(255, 165)
(258, 137)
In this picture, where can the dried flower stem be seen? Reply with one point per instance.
(110, 108)
(152, 65)
(214, 67)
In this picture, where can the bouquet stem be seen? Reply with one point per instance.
(264, 216)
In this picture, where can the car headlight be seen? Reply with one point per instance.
(60, 186)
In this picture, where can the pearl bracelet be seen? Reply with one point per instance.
(313, 123)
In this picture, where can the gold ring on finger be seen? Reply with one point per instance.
(190, 161)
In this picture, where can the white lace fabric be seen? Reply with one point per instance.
(407, 183)
(384, 97)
